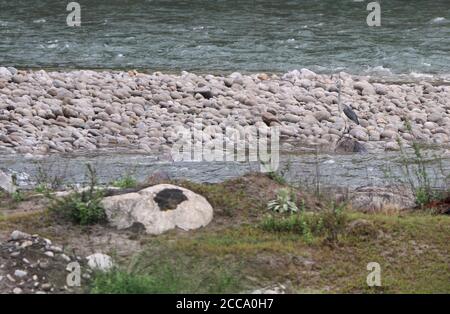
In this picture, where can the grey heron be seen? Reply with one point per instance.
(345, 110)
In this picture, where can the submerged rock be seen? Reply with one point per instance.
(158, 209)
(350, 145)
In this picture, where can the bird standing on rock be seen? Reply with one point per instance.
(346, 143)
(345, 110)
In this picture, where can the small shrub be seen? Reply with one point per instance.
(329, 223)
(416, 173)
(126, 182)
(17, 196)
(45, 181)
(83, 207)
(333, 221)
(299, 223)
(284, 203)
(42, 188)
(278, 178)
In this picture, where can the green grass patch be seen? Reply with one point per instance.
(165, 269)
(125, 182)
(412, 251)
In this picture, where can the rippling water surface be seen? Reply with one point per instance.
(347, 171)
(228, 35)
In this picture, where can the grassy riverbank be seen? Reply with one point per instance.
(246, 247)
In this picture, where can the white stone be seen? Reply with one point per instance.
(20, 273)
(49, 254)
(307, 74)
(127, 209)
(19, 235)
(5, 73)
(6, 183)
(99, 261)
(65, 257)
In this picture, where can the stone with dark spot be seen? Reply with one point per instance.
(158, 208)
(169, 198)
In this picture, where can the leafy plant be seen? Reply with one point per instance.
(277, 177)
(416, 173)
(295, 223)
(45, 180)
(333, 221)
(83, 207)
(125, 182)
(42, 188)
(17, 196)
(284, 203)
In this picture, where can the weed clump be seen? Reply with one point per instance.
(416, 173)
(82, 207)
(284, 202)
(166, 278)
(125, 182)
(328, 223)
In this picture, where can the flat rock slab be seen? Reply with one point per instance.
(158, 209)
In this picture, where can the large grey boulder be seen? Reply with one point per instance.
(158, 209)
(380, 199)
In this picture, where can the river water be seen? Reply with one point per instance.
(347, 170)
(222, 36)
(214, 36)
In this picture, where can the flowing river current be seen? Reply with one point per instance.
(223, 36)
(346, 171)
(214, 36)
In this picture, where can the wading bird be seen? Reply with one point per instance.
(345, 110)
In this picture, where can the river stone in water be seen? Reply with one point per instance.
(349, 145)
(379, 199)
(158, 209)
